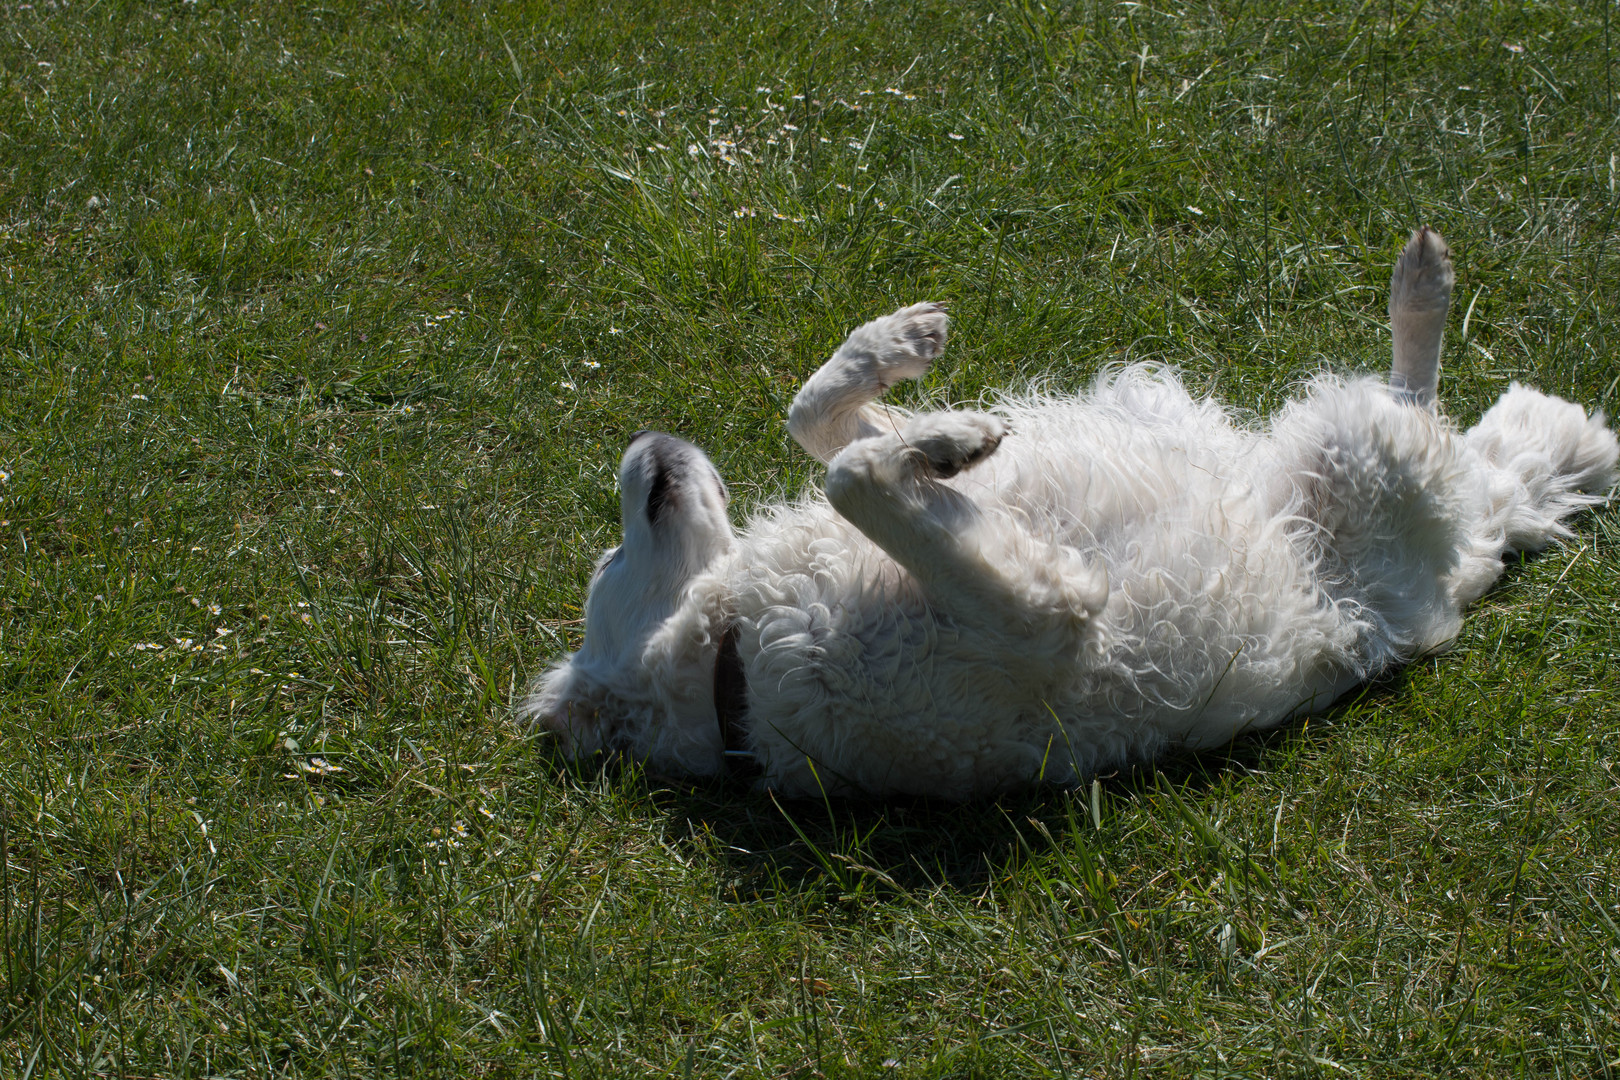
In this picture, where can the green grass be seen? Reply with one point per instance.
(322, 328)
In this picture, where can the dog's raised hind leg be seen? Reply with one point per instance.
(978, 568)
(1419, 297)
(835, 407)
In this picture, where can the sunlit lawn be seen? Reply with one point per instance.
(322, 329)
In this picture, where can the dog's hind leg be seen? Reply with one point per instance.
(980, 569)
(1419, 296)
(835, 407)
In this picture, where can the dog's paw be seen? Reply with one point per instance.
(952, 441)
(901, 345)
(1423, 276)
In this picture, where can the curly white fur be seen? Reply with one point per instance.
(981, 600)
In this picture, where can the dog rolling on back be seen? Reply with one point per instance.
(980, 600)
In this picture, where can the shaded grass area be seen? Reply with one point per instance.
(323, 327)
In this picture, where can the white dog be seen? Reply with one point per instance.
(981, 600)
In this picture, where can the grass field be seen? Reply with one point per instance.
(321, 328)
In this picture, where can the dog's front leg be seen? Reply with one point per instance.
(836, 406)
(976, 566)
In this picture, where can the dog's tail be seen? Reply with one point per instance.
(1551, 457)
(1545, 460)
(1419, 296)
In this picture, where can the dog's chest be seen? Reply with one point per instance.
(824, 615)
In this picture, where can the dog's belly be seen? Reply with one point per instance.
(1214, 625)
(1216, 620)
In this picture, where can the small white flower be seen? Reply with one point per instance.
(139, 397)
(853, 145)
(841, 187)
(566, 385)
(337, 472)
(1512, 47)
(693, 150)
(957, 137)
(790, 127)
(880, 204)
(911, 97)
(896, 91)
(4, 476)
(1195, 210)
(214, 609)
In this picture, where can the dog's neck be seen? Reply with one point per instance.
(731, 707)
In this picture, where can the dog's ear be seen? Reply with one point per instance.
(561, 703)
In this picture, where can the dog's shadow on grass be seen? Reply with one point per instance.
(859, 847)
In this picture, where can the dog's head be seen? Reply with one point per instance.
(618, 688)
